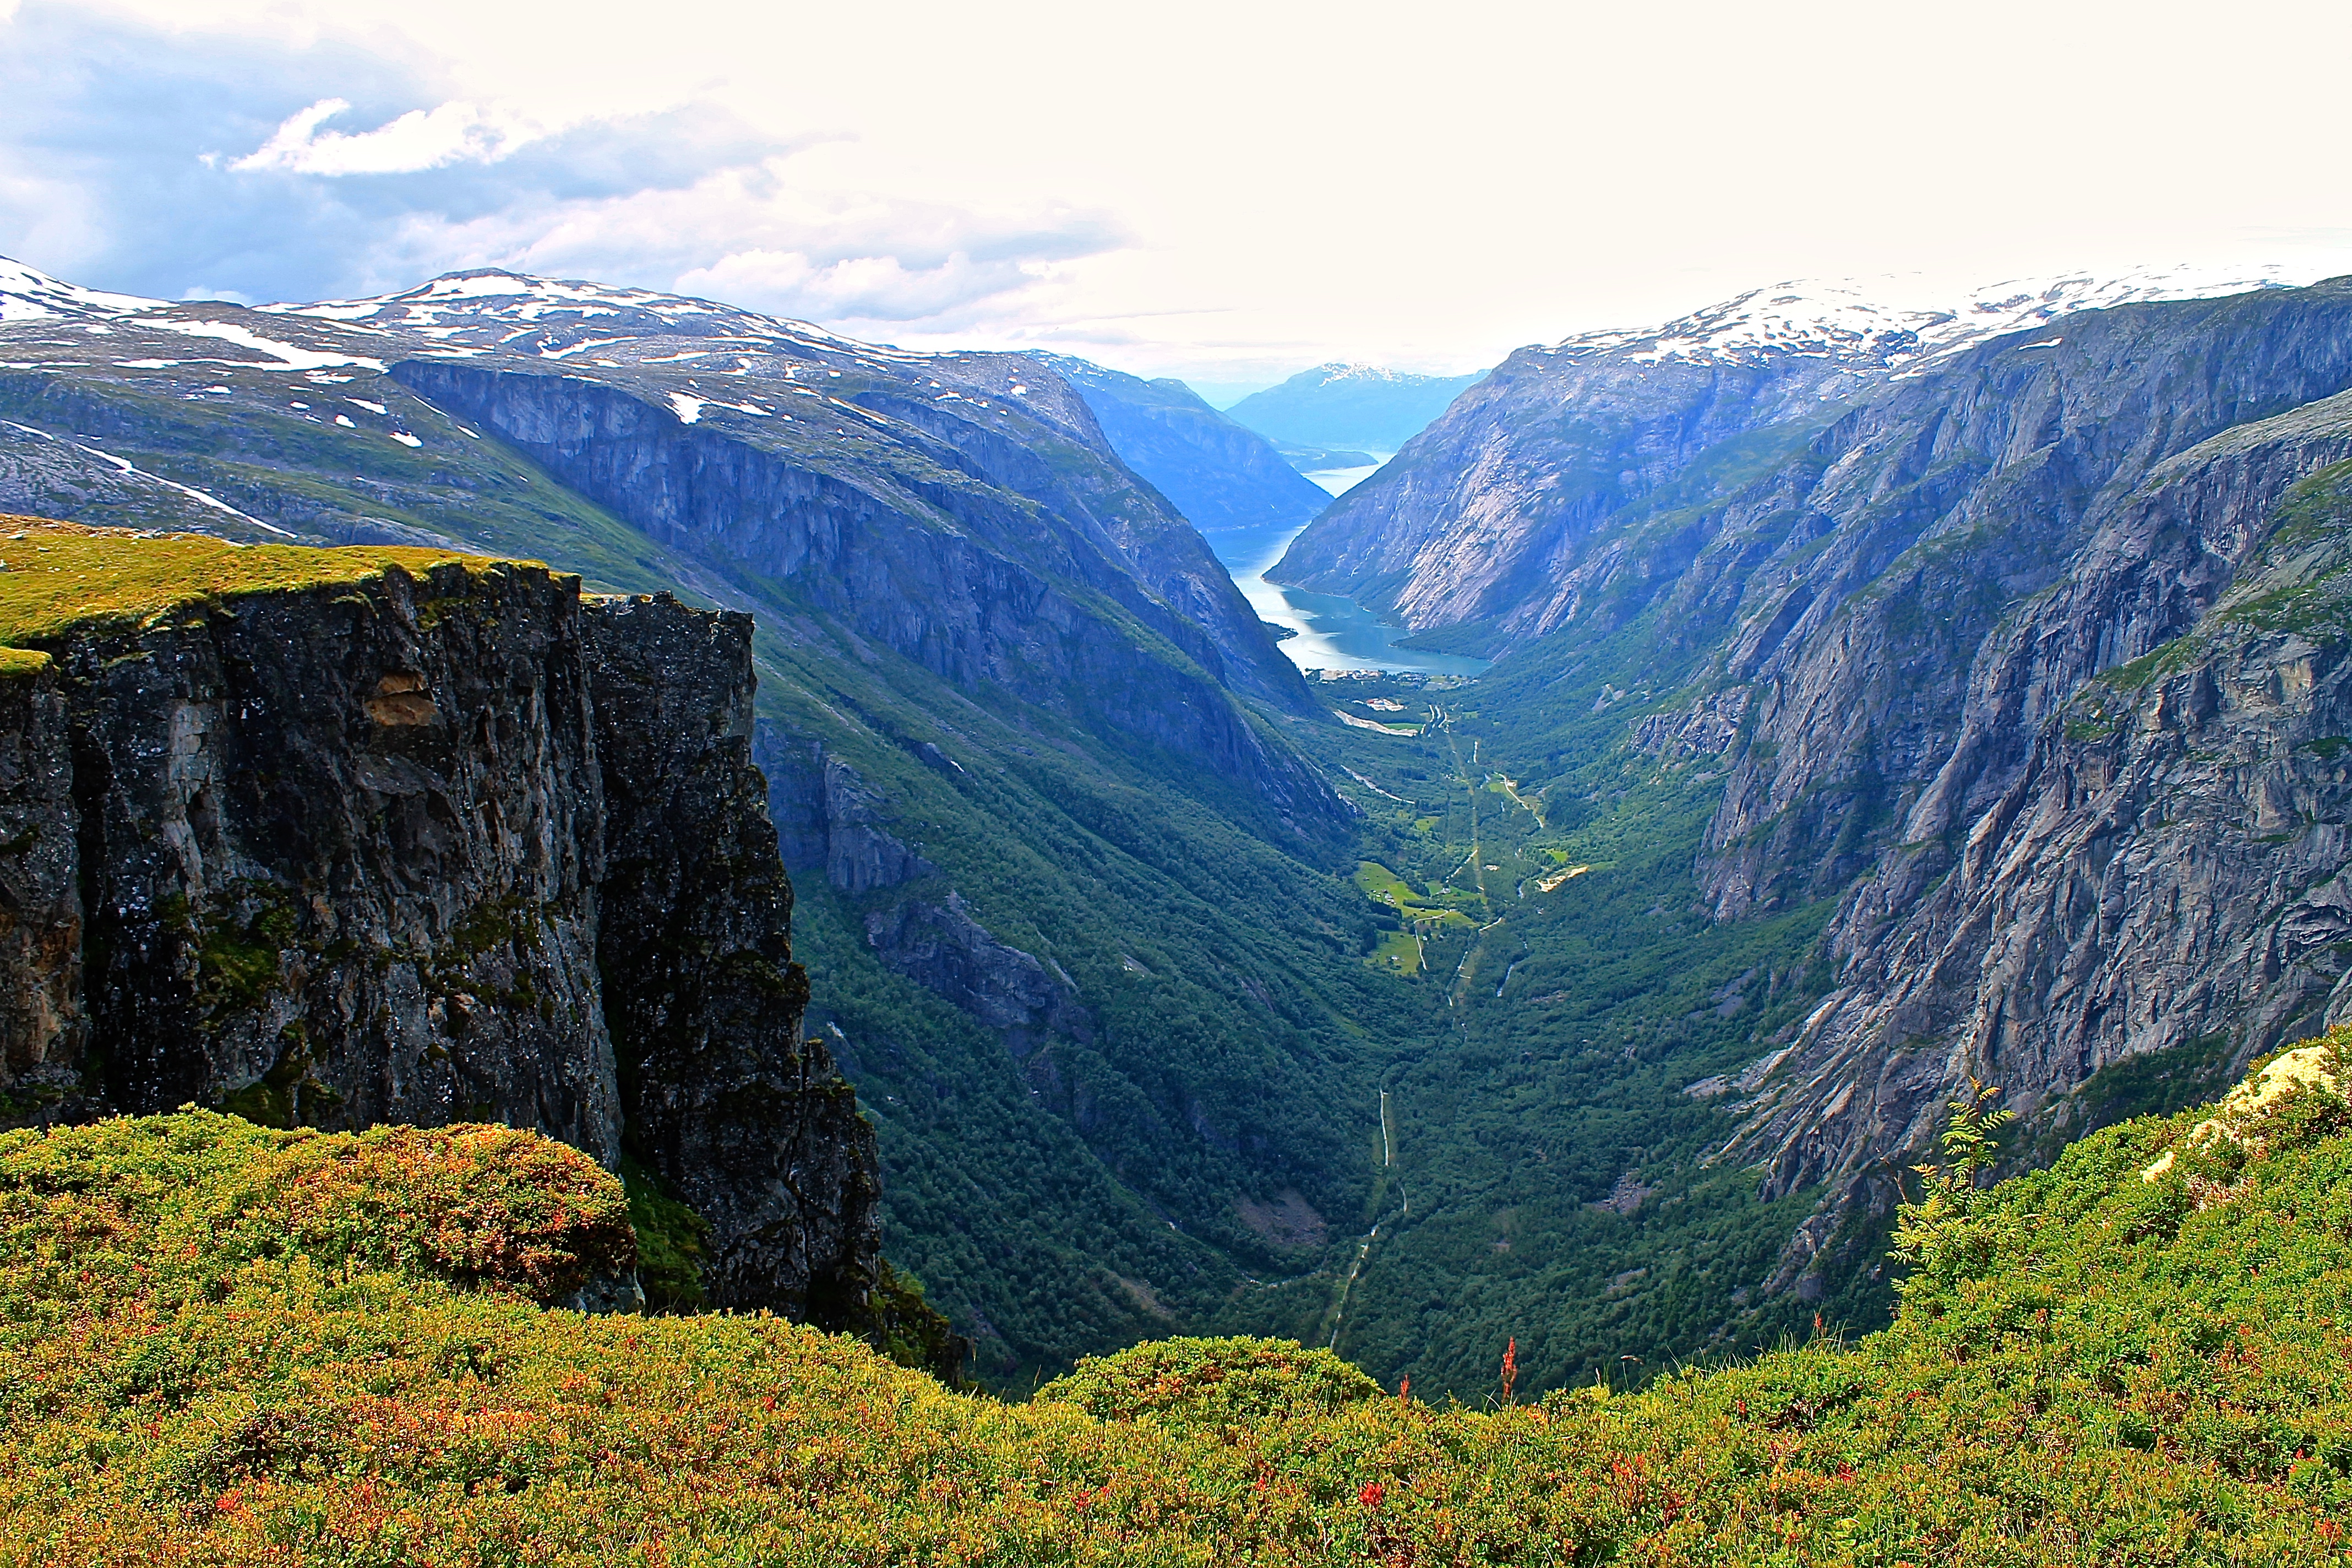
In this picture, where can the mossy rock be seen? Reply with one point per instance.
(55, 577)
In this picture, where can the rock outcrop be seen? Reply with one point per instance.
(429, 846)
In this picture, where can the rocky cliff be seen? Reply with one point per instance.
(2136, 849)
(343, 837)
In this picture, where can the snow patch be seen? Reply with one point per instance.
(1887, 321)
(125, 466)
(288, 355)
(29, 295)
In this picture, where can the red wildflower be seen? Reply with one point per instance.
(1371, 1495)
(1510, 1368)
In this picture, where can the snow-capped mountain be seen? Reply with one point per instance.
(1489, 520)
(488, 309)
(29, 295)
(1888, 322)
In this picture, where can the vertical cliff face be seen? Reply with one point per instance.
(337, 854)
(1925, 525)
(745, 1118)
(427, 843)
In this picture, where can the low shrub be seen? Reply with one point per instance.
(221, 1343)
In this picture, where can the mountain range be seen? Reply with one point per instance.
(1342, 406)
(1883, 695)
(2006, 634)
(1029, 750)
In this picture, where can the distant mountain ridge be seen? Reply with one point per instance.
(1223, 477)
(1343, 406)
(1478, 522)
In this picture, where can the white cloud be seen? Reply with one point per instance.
(1229, 188)
(421, 139)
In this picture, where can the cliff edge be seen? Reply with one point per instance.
(339, 837)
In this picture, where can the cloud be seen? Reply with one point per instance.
(244, 167)
(421, 139)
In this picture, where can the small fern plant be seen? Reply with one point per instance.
(1935, 1235)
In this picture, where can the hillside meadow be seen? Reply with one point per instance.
(225, 1343)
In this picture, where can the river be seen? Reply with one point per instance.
(1334, 632)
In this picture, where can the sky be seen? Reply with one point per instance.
(1224, 191)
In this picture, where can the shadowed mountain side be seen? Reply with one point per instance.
(1221, 476)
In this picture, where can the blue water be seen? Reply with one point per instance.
(1334, 632)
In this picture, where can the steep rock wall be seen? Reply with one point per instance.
(744, 1117)
(947, 572)
(2145, 847)
(1502, 510)
(424, 849)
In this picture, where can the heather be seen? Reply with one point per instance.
(224, 1344)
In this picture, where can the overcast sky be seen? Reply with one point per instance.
(1224, 191)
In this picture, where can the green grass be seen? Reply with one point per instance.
(61, 577)
(1400, 950)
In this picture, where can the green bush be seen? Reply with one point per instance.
(1207, 1383)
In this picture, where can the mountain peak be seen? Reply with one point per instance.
(492, 307)
(1885, 322)
(29, 294)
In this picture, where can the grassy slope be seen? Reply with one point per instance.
(57, 577)
(220, 1343)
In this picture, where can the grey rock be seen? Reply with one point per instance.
(941, 947)
(2111, 866)
(827, 820)
(432, 850)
